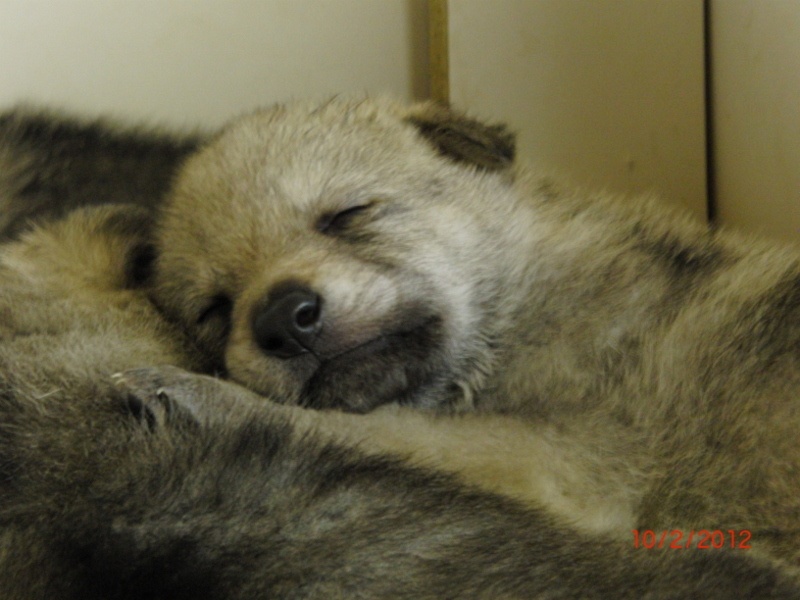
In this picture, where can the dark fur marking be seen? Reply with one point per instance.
(490, 147)
(12, 414)
(66, 163)
(139, 265)
(118, 567)
(64, 136)
(398, 370)
(679, 257)
(775, 319)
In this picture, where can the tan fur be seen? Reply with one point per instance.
(655, 363)
(68, 309)
(66, 300)
(173, 485)
(498, 453)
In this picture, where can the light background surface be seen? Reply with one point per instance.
(610, 93)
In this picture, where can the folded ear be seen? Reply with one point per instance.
(490, 147)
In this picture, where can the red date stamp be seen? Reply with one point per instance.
(702, 539)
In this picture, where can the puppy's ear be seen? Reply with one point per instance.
(490, 147)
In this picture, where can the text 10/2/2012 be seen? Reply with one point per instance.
(702, 539)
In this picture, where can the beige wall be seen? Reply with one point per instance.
(191, 61)
(756, 91)
(608, 92)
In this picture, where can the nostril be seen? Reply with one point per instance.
(273, 344)
(307, 314)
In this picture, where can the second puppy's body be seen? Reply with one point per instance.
(51, 163)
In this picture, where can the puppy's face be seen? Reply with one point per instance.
(333, 255)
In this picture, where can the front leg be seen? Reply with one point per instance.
(538, 465)
(167, 390)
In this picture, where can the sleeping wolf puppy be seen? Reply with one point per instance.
(358, 253)
(163, 488)
(51, 164)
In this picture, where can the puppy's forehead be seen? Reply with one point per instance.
(303, 155)
(336, 135)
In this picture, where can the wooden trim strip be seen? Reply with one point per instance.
(439, 51)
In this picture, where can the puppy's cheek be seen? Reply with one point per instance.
(279, 380)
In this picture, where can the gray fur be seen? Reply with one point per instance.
(167, 485)
(51, 163)
(656, 361)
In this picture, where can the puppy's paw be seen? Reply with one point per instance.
(167, 391)
(158, 396)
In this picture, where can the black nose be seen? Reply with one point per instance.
(286, 325)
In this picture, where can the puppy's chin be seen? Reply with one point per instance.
(395, 368)
(270, 378)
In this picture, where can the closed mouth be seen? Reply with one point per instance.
(380, 341)
(363, 369)
(373, 344)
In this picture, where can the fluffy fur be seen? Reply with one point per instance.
(358, 253)
(169, 485)
(51, 163)
(567, 328)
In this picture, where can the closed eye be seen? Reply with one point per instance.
(219, 308)
(335, 222)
